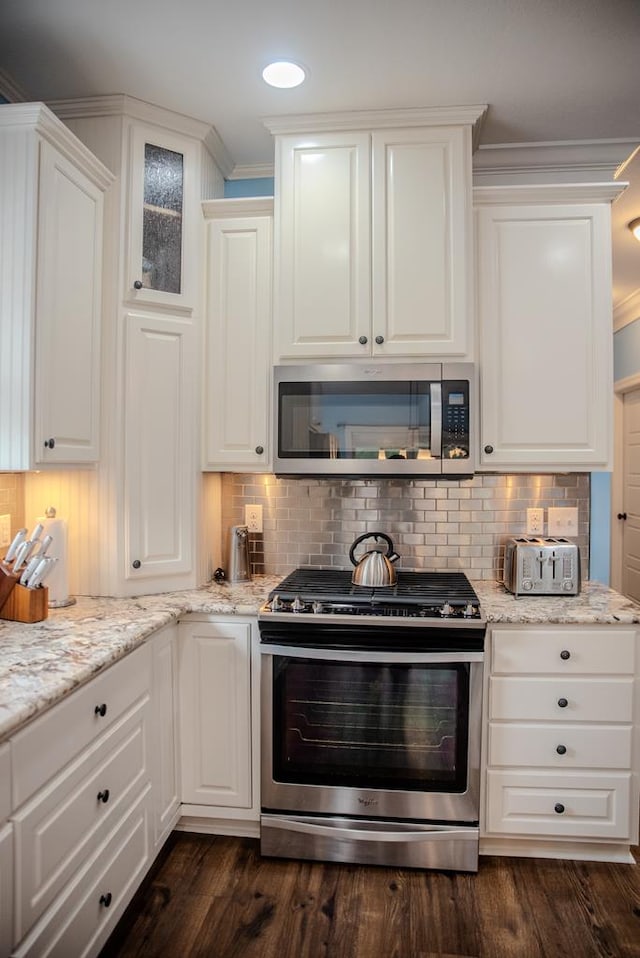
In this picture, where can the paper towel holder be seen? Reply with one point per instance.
(50, 513)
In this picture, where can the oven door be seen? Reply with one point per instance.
(377, 734)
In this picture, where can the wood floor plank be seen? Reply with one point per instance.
(216, 897)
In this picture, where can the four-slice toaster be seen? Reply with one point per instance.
(541, 566)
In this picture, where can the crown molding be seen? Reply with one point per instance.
(628, 311)
(38, 117)
(255, 172)
(380, 119)
(238, 206)
(569, 161)
(549, 193)
(120, 104)
(11, 90)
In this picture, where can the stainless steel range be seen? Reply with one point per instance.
(371, 716)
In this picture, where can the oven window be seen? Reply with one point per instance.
(399, 726)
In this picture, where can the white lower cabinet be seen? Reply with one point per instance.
(216, 717)
(164, 742)
(6, 889)
(561, 746)
(81, 820)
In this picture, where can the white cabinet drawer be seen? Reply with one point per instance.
(5, 782)
(564, 651)
(63, 824)
(572, 806)
(81, 920)
(48, 743)
(537, 745)
(560, 699)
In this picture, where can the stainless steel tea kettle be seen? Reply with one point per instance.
(375, 568)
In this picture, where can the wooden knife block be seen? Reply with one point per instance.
(23, 605)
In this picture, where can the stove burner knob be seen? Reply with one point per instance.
(317, 607)
(469, 610)
(297, 605)
(276, 604)
(446, 609)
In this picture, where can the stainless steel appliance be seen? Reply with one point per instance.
(389, 419)
(541, 566)
(238, 565)
(371, 716)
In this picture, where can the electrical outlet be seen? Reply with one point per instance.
(5, 531)
(563, 521)
(535, 522)
(253, 518)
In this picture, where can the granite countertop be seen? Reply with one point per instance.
(42, 662)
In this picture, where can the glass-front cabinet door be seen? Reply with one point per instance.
(162, 219)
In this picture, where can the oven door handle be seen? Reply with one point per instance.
(355, 655)
(379, 831)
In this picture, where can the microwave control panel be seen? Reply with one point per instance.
(455, 419)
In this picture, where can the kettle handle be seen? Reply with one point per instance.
(373, 535)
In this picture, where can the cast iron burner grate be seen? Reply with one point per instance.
(412, 588)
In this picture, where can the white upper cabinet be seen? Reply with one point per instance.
(545, 329)
(237, 320)
(373, 235)
(51, 194)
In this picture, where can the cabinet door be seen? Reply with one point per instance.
(238, 360)
(545, 321)
(421, 277)
(6, 889)
(215, 719)
(164, 733)
(161, 260)
(323, 246)
(159, 474)
(68, 311)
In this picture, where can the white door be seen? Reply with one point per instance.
(159, 479)
(631, 496)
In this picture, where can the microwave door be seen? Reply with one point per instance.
(435, 390)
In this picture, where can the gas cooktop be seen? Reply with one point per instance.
(330, 592)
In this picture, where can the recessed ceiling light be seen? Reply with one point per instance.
(283, 74)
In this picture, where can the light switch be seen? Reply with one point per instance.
(562, 521)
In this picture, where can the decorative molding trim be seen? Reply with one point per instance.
(380, 119)
(240, 206)
(570, 160)
(625, 385)
(38, 117)
(120, 104)
(11, 90)
(257, 172)
(546, 193)
(626, 312)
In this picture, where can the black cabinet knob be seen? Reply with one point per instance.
(259, 450)
(363, 340)
(49, 443)
(103, 796)
(562, 703)
(488, 450)
(100, 710)
(136, 563)
(106, 899)
(558, 808)
(137, 284)
(565, 654)
(379, 340)
(561, 749)
(622, 515)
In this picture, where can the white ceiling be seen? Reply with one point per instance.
(550, 70)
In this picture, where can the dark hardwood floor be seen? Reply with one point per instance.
(215, 897)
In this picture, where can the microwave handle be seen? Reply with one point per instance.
(435, 390)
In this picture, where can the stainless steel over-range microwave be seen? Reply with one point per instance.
(340, 419)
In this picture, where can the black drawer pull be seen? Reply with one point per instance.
(558, 808)
(106, 899)
(562, 703)
(100, 710)
(103, 796)
(565, 654)
(561, 749)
